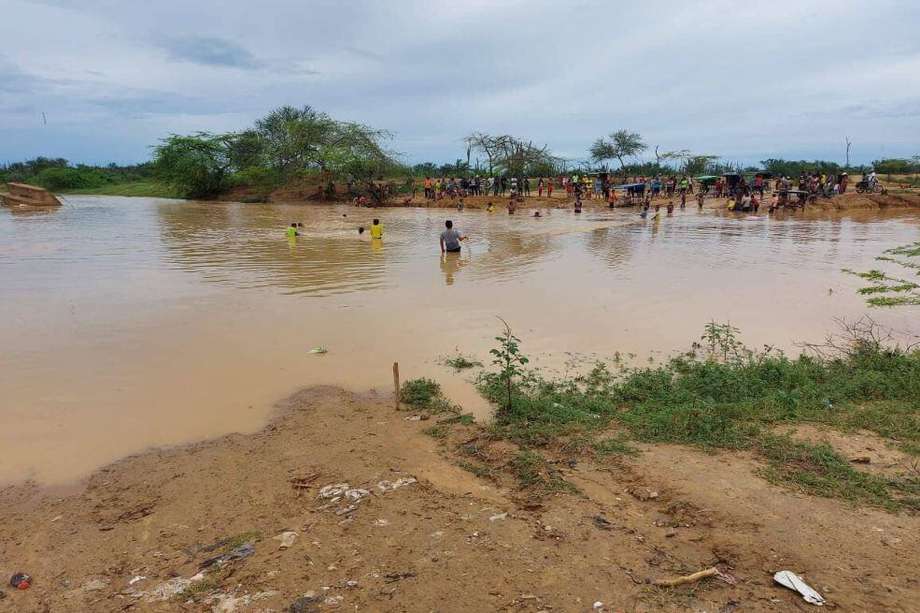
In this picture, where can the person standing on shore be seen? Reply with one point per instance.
(842, 183)
(451, 239)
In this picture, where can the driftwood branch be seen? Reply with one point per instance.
(697, 576)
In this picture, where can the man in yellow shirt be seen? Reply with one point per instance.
(292, 231)
(376, 229)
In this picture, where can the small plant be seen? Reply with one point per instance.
(510, 361)
(613, 446)
(462, 362)
(420, 392)
(722, 340)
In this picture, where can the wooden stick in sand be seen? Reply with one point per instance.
(709, 572)
(396, 382)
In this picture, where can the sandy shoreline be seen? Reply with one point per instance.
(450, 541)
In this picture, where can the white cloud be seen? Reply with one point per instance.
(744, 80)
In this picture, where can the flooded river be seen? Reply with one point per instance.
(136, 322)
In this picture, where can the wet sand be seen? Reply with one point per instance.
(131, 323)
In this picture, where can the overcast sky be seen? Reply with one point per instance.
(742, 79)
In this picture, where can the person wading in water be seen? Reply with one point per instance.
(451, 239)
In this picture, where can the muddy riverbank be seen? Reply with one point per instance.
(155, 531)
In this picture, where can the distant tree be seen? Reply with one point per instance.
(488, 145)
(620, 145)
(510, 155)
(893, 166)
(197, 166)
(299, 139)
(247, 150)
(697, 164)
(792, 168)
(425, 169)
(667, 156)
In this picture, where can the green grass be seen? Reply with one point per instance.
(731, 399)
(819, 470)
(438, 431)
(477, 468)
(420, 392)
(241, 539)
(425, 394)
(613, 446)
(198, 588)
(145, 189)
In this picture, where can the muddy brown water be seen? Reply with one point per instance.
(130, 323)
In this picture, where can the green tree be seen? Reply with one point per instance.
(300, 139)
(697, 164)
(197, 166)
(619, 145)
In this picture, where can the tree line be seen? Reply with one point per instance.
(292, 143)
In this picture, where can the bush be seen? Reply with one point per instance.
(57, 179)
(420, 392)
(261, 180)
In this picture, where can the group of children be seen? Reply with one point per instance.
(376, 229)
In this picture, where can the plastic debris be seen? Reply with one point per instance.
(356, 494)
(319, 350)
(135, 579)
(228, 603)
(389, 486)
(169, 589)
(286, 539)
(499, 516)
(333, 490)
(644, 494)
(789, 579)
(21, 581)
(333, 601)
(243, 551)
(95, 585)
(598, 605)
(305, 604)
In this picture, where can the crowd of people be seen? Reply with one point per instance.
(588, 186)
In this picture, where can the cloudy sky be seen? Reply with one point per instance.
(746, 79)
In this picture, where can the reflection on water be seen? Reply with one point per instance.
(451, 263)
(135, 322)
